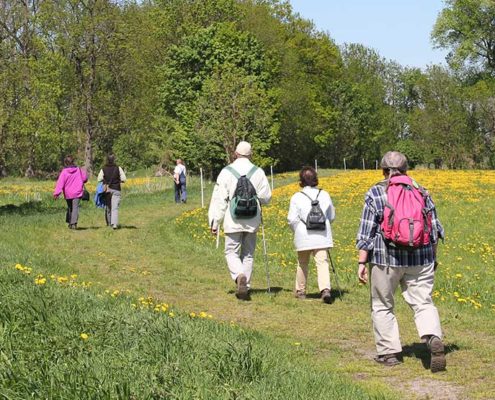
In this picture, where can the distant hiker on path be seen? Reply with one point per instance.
(239, 188)
(71, 182)
(398, 237)
(180, 182)
(310, 213)
(112, 176)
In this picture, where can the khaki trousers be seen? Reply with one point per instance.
(416, 285)
(323, 273)
(239, 253)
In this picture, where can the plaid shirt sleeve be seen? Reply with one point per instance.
(437, 228)
(369, 224)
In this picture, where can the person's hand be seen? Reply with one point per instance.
(55, 197)
(363, 273)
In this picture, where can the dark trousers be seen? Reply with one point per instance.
(72, 211)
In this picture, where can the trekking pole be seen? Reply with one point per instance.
(335, 273)
(265, 256)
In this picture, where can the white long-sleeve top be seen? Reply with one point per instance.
(299, 208)
(224, 190)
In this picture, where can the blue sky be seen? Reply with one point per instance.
(397, 29)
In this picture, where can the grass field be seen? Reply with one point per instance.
(163, 254)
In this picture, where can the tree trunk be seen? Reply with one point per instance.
(90, 118)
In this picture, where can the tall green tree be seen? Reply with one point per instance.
(234, 106)
(440, 125)
(209, 53)
(467, 28)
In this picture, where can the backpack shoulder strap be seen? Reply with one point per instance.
(233, 171)
(251, 172)
(307, 195)
(319, 191)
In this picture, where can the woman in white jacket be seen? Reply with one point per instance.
(311, 242)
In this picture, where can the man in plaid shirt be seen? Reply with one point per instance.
(390, 266)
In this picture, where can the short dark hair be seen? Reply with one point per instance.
(68, 160)
(308, 177)
(111, 159)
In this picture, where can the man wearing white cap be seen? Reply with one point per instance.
(240, 233)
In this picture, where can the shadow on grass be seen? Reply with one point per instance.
(29, 208)
(273, 290)
(86, 228)
(419, 350)
(334, 293)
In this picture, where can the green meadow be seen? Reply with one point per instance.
(148, 311)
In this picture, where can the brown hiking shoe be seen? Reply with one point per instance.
(389, 360)
(326, 296)
(242, 289)
(437, 350)
(300, 294)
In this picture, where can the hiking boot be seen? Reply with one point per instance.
(326, 296)
(300, 294)
(437, 350)
(389, 360)
(242, 289)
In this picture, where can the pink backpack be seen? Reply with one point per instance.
(406, 220)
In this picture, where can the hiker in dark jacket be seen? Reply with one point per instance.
(391, 264)
(112, 176)
(71, 182)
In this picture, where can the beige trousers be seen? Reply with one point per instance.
(239, 253)
(416, 285)
(321, 260)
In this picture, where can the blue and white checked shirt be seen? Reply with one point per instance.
(370, 238)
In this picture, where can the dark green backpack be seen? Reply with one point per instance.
(244, 202)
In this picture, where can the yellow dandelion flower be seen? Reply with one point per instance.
(171, 314)
(192, 315)
(40, 280)
(84, 336)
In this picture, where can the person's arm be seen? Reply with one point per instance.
(84, 175)
(437, 228)
(59, 186)
(366, 236)
(123, 178)
(330, 211)
(100, 176)
(362, 270)
(219, 202)
(293, 215)
(263, 190)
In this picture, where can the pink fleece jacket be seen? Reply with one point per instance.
(70, 181)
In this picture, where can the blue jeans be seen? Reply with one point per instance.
(180, 192)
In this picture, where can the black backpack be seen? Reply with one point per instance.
(316, 219)
(244, 202)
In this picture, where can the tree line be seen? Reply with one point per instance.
(151, 80)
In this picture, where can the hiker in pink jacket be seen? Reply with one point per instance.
(71, 181)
